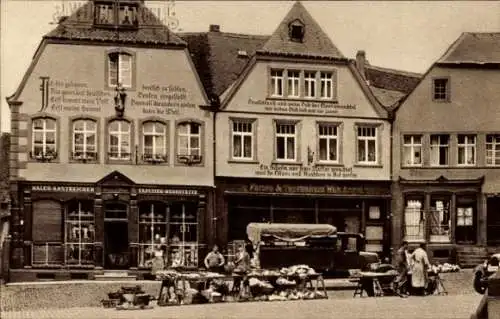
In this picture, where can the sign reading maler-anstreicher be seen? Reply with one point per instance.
(62, 189)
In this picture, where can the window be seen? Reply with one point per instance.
(493, 149)
(466, 150)
(127, 16)
(296, 31)
(466, 224)
(439, 150)
(293, 83)
(326, 85)
(242, 140)
(414, 220)
(152, 230)
(80, 232)
(120, 69)
(189, 147)
(154, 143)
(328, 143)
(440, 220)
(412, 150)
(441, 89)
(367, 144)
(286, 149)
(277, 82)
(105, 14)
(84, 140)
(310, 84)
(119, 140)
(44, 133)
(465, 216)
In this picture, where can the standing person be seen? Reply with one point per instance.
(214, 261)
(402, 267)
(419, 269)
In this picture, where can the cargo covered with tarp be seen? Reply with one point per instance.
(289, 232)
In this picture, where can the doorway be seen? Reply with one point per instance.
(116, 242)
(493, 221)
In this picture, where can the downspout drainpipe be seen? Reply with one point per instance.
(214, 168)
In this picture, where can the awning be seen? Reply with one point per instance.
(288, 232)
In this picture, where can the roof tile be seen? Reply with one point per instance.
(474, 47)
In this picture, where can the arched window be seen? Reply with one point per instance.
(189, 143)
(119, 132)
(84, 139)
(44, 137)
(154, 143)
(120, 69)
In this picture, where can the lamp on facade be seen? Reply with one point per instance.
(120, 99)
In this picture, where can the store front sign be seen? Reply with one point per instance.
(62, 189)
(161, 191)
(283, 170)
(307, 107)
(313, 189)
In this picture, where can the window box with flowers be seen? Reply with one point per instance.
(189, 143)
(154, 142)
(44, 139)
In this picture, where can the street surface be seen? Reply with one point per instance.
(431, 307)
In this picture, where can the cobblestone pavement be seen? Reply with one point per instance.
(431, 307)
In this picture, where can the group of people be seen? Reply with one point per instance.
(215, 261)
(418, 263)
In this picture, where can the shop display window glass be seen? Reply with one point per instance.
(44, 138)
(440, 221)
(47, 247)
(414, 222)
(79, 232)
(152, 231)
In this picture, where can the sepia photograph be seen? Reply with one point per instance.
(186, 159)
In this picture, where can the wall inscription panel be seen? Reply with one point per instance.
(283, 170)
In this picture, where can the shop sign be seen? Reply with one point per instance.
(62, 189)
(283, 170)
(162, 191)
(313, 189)
(302, 107)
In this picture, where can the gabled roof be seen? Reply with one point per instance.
(79, 26)
(473, 48)
(315, 42)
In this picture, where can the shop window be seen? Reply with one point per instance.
(327, 87)
(465, 231)
(440, 220)
(79, 233)
(244, 210)
(493, 150)
(328, 143)
(44, 139)
(367, 144)
(47, 221)
(412, 150)
(183, 238)
(440, 145)
(414, 223)
(277, 81)
(154, 142)
(441, 90)
(84, 140)
(119, 132)
(466, 150)
(286, 147)
(243, 139)
(309, 84)
(152, 231)
(374, 212)
(189, 143)
(293, 81)
(120, 69)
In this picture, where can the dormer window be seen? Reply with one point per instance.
(296, 30)
(110, 13)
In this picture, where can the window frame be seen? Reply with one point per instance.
(466, 145)
(84, 159)
(253, 123)
(44, 158)
(439, 148)
(310, 91)
(297, 83)
(162, 159)
(422, 220)
(495, 147)
(447, 90)
(327, 80)
(377, 128)
(274, 80)
(115, 9)
(201, 157)
(109, 158)
(412, 146)
(295, 135)
(338, 138)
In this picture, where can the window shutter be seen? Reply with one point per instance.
(47, 221)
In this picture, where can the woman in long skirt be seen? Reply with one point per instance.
(419, 269)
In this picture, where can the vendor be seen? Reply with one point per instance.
(214, 261)
(242, 261)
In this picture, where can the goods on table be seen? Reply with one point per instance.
(446, 267)
(127, 298)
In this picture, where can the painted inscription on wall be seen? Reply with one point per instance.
(156, 99)
(282, 170)
(309, 107)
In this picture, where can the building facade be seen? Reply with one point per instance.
(446, 154)
(111, 147)
(301, 138)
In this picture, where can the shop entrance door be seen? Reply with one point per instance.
(116, 245)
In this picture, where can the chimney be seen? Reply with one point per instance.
(214, 28)
(360, 62)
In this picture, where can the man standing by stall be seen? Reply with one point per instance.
(402, 267)
(214, 261)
